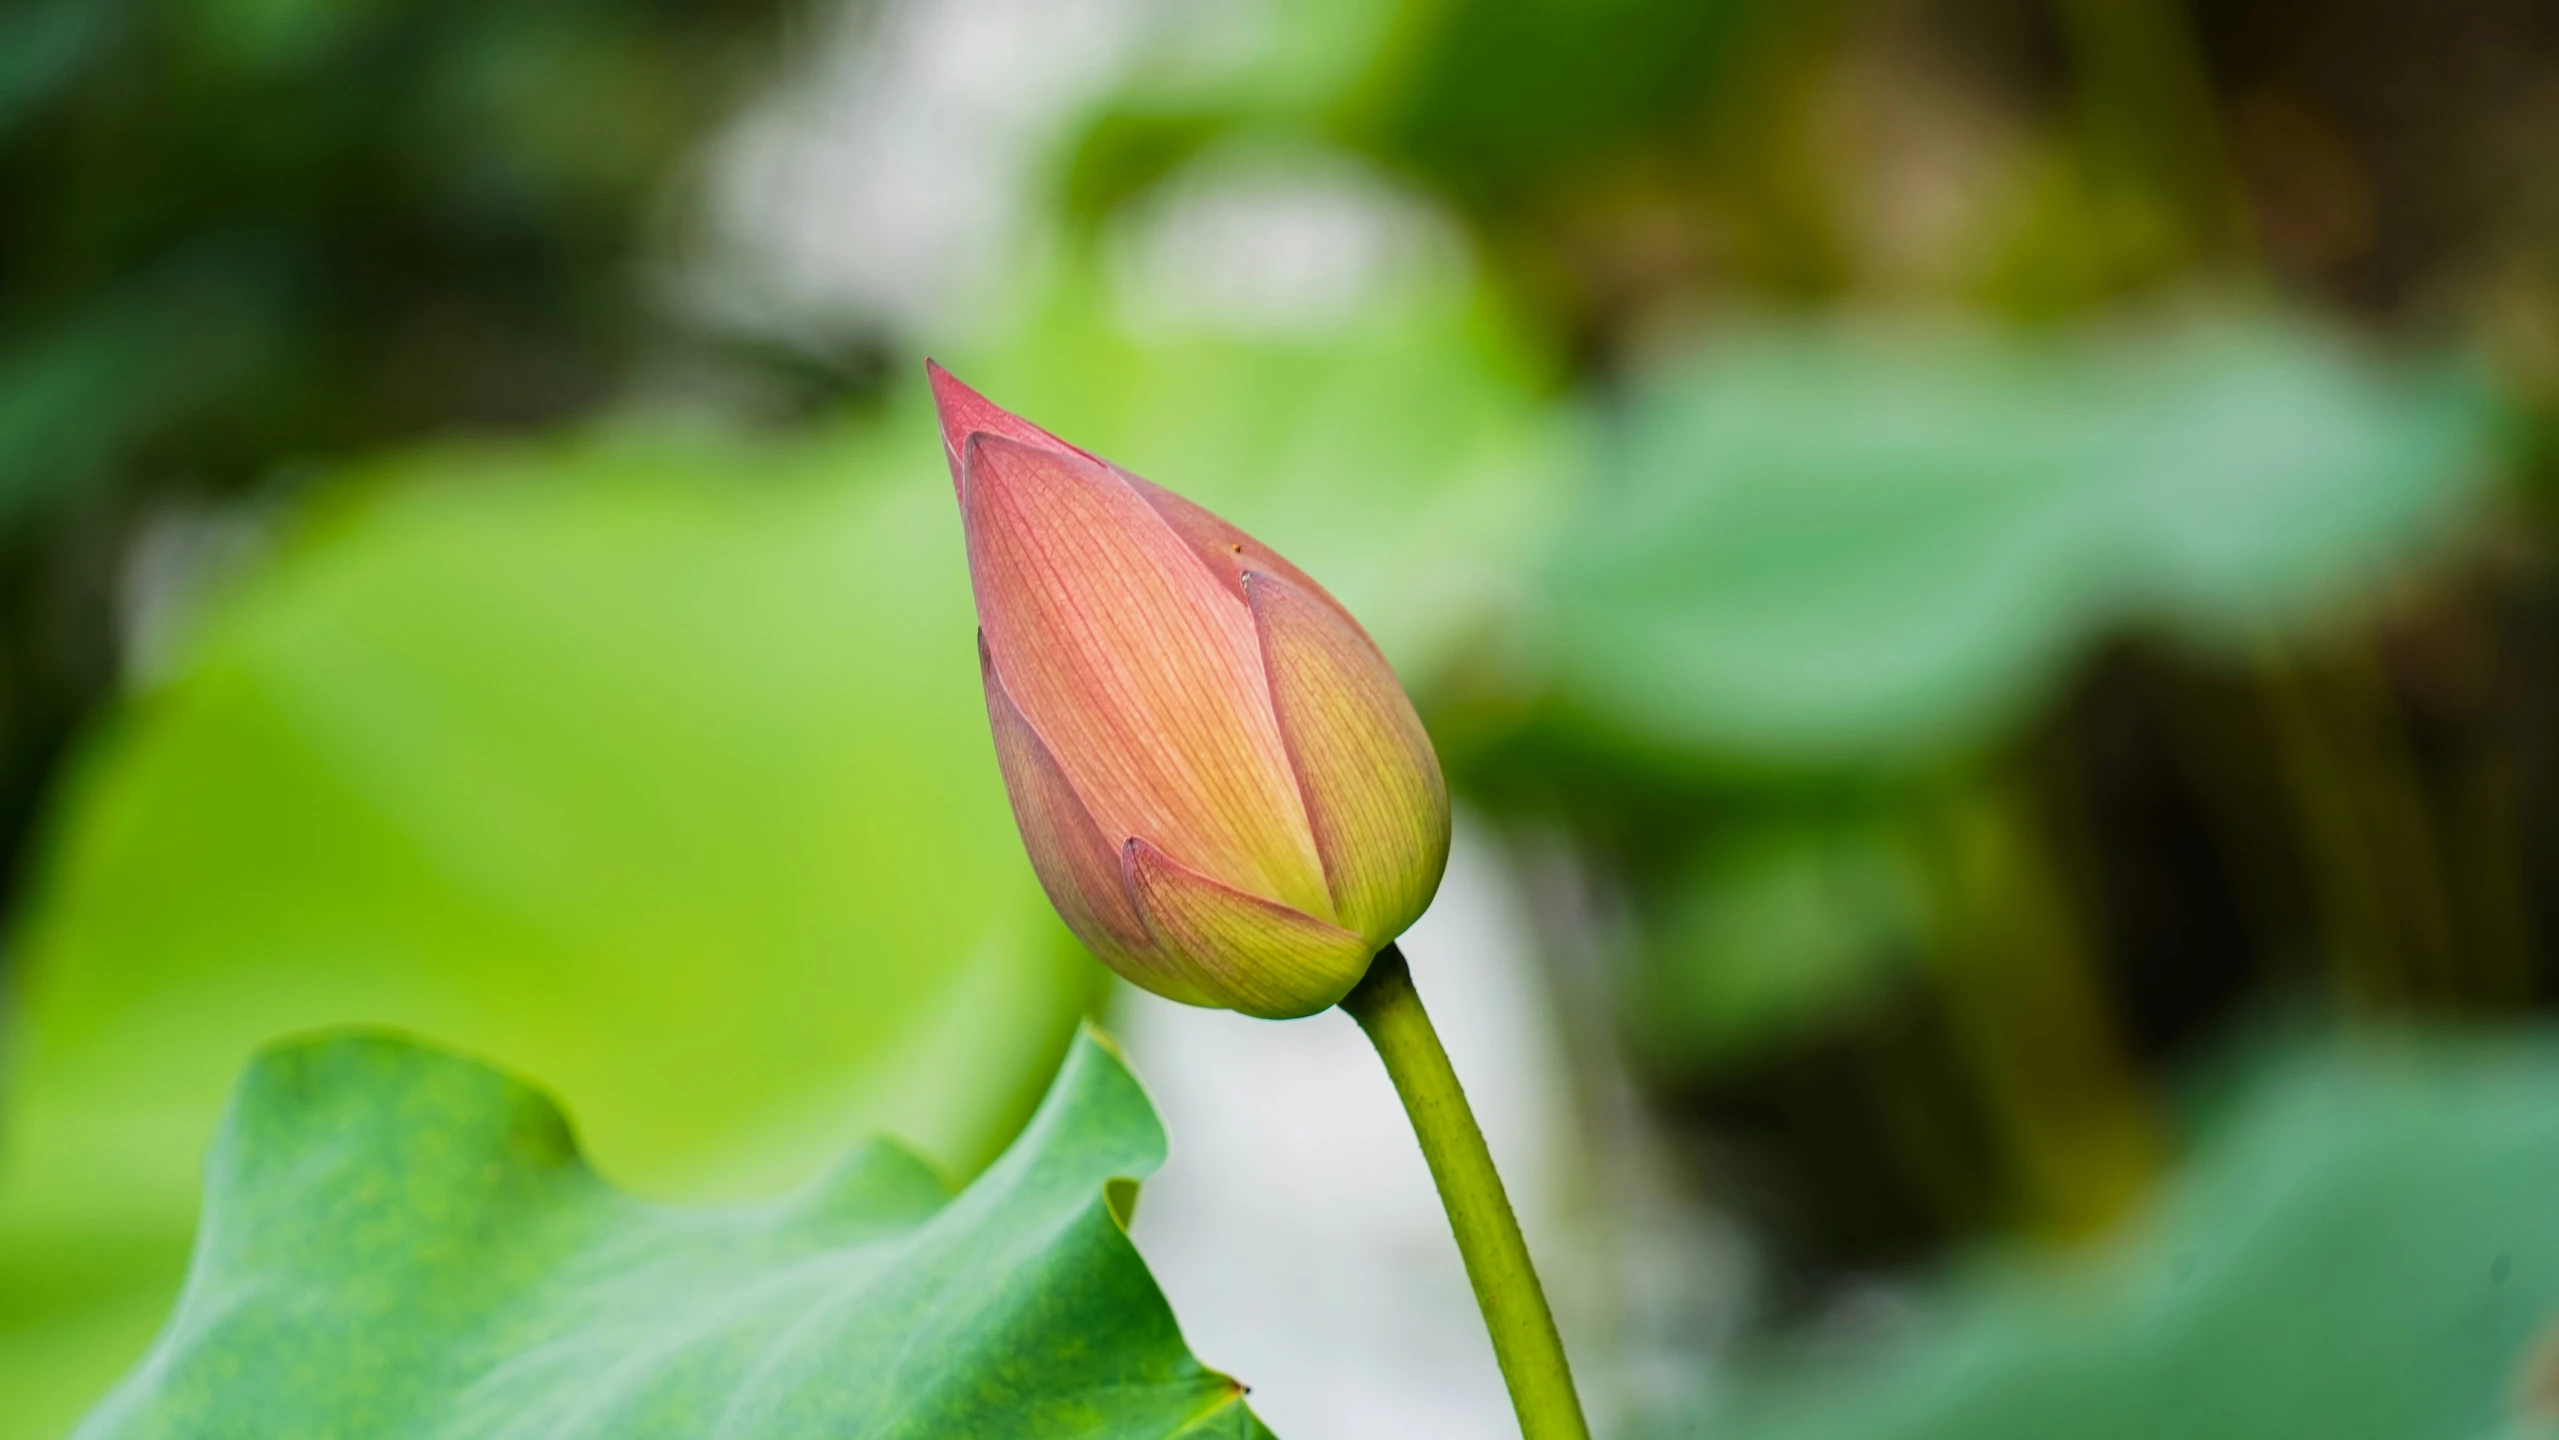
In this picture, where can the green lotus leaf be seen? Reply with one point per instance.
(2364, 1248)
(1826, 544)
(652, 766)
(398, 1241)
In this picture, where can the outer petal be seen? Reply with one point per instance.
(1078, 866)
(964, 412)
(1140, 671)
(1374, 793)
(1228, 552)
(1254, 956)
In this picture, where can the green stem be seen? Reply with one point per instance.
(1524, 1340)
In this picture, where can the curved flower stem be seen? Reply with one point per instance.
(1532, 1356)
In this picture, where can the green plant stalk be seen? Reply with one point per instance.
(1524, 1340)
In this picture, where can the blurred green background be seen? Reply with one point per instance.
(1989, 561)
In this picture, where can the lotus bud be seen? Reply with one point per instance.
(1222, 786)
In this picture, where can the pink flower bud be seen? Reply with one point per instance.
(1219, 780)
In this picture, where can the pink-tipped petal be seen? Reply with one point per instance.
(1229, 553)
(1263, 959)
(1374, 794)
(964, 413)
(1140, 671)
(1078, 867)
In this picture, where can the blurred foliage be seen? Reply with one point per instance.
(1983, 529)
(400, 1241)
(1778, 928)
(235, 234)
(2360, 1247)
(579, 756)
(1831, 547)
(1548, 125)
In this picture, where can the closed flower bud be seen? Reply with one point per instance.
(1221, 784)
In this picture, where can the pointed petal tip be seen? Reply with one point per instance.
(965, 414)
(983, 452)
(960, 410)
(952, 399)
(1258, 956)
(1014, 460)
